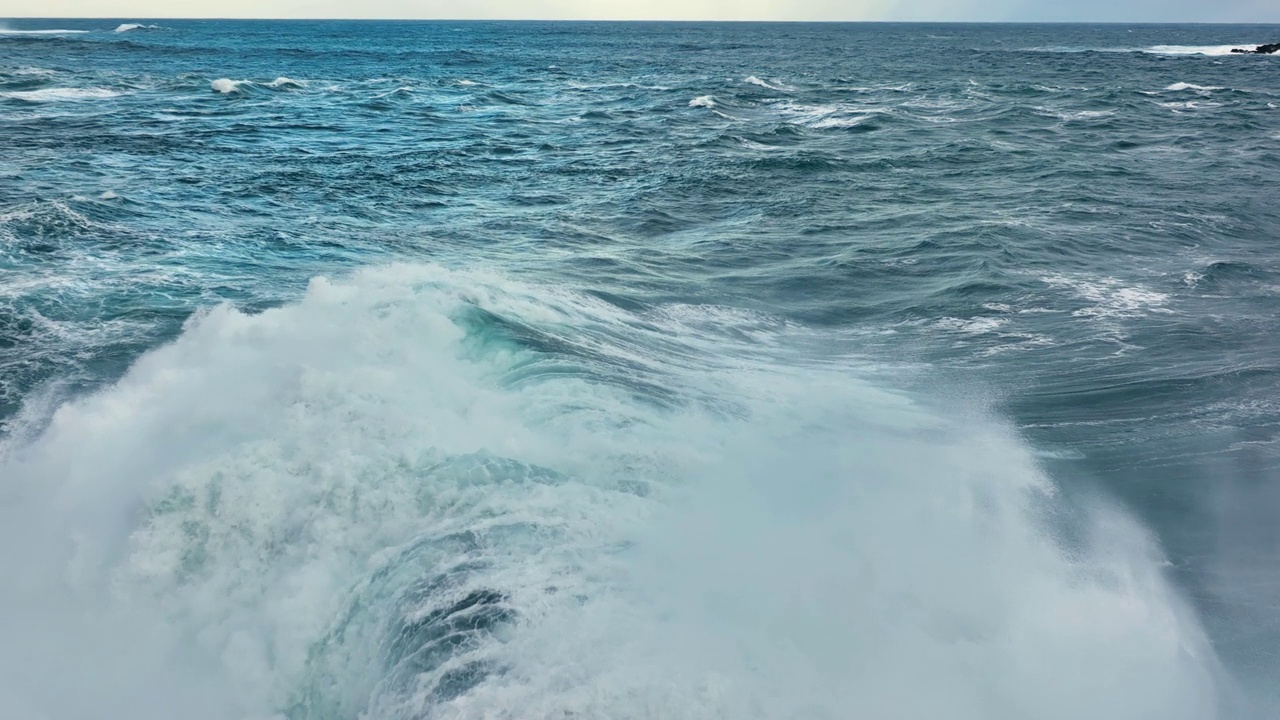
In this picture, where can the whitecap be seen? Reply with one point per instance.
(126, 27)
(1189, 105)
(752, 79)
(703, 101)
(1180, 86)
(467, 83)
(284, 82)
(226, 86)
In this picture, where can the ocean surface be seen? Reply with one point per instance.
(392, 370)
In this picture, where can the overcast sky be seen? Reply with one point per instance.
(1030, 10)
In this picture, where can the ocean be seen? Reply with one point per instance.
(392, 370)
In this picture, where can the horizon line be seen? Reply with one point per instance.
(633, 20)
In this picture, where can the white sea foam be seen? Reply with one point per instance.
(56, 94)
(466, 83)
(752, 79)
(1110, 297)
(840, 122)
(260, 513)
(1212, 50)
(284, 82)
(971, 326)
(1189, 105)
(703, 101)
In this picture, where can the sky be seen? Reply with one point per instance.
(1245, 11)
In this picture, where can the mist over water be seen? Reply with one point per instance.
(437, 370)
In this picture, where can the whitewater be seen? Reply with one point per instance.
(490, 370)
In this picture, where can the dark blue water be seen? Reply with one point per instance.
(550, 370)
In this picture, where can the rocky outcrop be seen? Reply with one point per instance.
(1260, 50)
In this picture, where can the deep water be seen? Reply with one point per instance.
(586, 370)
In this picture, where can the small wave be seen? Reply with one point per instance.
(466, 83)
(402, 90)
(1189, 105)
(1211, 50)
(126, 27)
(614, 85)
(821, 117)
(1068, 116)
(970, 326)
(36, 71)
(752, 79)
(1180, 86)
(703, 101)
(226, 86)
(55, 94)
(840, 122)
(284, 82)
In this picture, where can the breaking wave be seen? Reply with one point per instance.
(56, 94)
(424, 493)
(1212, 50)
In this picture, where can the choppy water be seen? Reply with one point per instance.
(462, 370)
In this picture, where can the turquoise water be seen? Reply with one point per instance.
(550, 370)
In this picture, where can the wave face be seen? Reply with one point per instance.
(488, 370)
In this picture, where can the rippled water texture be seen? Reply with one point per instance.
(552, 370)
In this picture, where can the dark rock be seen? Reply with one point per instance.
(1260, 50)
